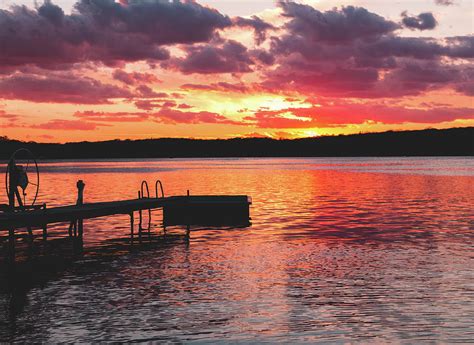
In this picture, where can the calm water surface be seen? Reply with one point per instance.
(340, 250)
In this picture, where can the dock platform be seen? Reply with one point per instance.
(187, 210)
(177, 210)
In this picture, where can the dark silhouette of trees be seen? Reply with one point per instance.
(429, 142)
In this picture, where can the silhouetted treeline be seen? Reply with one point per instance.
(429, 142)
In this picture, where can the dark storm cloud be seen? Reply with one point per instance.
(225, 57)
(338, 25)
(104, 31)
(259, 26)
(351, 52)
(423, 21)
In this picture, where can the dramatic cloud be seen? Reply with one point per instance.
(227, 57)
(346, 24)
(138, 53)
(103, 30)
(351, 52)
(423, 21)
(259, 26)
(59, 89)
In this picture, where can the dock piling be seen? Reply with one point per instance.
(30, 235)
(80, 201)
(45, 232)
(131, 227)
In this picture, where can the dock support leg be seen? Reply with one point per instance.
(45, 232)
(70, 228)
(30, 235)
(80, 228)
(140, 229)
(131, 227)
(80, 232)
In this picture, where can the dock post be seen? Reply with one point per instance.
(140, 221)
(131, 227)
(80, 201)
(188, 227)
(70, 228)
(30, 235)
(45, 232)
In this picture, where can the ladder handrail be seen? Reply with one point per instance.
(161, 188)
(141, 195)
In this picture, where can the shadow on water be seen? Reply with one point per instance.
(46, 261)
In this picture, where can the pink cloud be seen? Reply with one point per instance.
(352, 52)
(341, 113)
(150, 104)
(173, 116)
(166, 115)
(145, 91)
(217, 57)
(134, 78)
(68, 125)
(66, 88)
(219, 86)
(8, 117)
(111, 117)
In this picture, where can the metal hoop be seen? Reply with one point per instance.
(11, 162)
(161, 188)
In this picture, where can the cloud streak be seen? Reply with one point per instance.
(66, 88)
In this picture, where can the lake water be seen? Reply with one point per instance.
(340, 250)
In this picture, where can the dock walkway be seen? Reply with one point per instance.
(188, 208)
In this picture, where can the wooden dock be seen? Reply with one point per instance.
(177, 210)
(187, 210)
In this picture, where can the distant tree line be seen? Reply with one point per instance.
(429, 142)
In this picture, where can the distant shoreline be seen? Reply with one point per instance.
(428, 142)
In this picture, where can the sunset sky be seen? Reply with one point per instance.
(130, 69)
